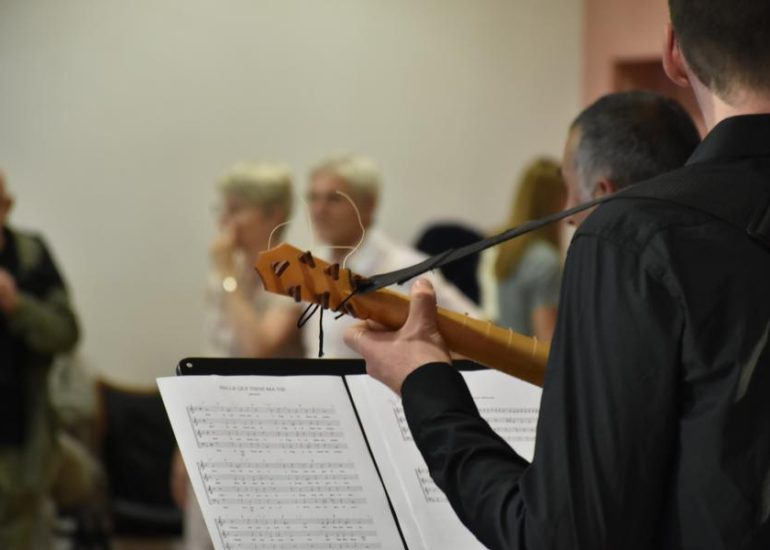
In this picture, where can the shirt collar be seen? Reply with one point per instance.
(364, 260)
(735, 137)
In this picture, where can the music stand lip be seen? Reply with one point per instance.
(201, 366)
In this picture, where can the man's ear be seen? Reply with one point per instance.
(604, 187)
(673, 60)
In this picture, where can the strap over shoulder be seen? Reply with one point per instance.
(744, 204)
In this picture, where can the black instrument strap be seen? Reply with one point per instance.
(744, 205)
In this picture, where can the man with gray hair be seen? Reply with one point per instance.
(622, 139)
(343, 195)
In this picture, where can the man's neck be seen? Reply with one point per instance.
(715, 109)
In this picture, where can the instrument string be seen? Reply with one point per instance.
(312, 308)
(360, 224)
(276, 228)
(308, 222)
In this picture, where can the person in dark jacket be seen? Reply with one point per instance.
(654, 430)
(37, 322)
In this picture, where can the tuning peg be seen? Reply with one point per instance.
(295, 292)
(279, 267)
(323, 299)
(352, 312)
(333, 271)
(307, 258)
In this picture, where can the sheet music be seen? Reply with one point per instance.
(279, 463)
(426, 518)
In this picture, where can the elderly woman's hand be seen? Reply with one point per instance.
(222, 253)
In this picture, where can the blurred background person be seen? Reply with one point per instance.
(243, 320)
(37, 322)
(622, 139)
(440, 237)
(521, 288)
(336, 223)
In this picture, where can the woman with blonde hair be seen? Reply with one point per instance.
(523, 290)
(244, 320)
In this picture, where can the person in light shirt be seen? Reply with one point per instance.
(336, 223)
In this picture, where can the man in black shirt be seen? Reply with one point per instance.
(654, 430)
(622, 139)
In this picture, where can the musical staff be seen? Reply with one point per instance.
(238, 465)
(306, 546)
(250, 410)
(514, 424)
(324, 502)
(266, 428)
(403, 427)
(297, 533)
(429, 489)
(294, 532)
(253, 483)
(291, 422)
(283, 522)
(263, 445)
(257, 488)
(263, 434)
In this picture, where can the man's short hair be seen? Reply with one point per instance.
(360, 173)
(726, 42)
(264, 184)
(630, 137)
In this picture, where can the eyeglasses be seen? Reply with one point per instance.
(331, 197)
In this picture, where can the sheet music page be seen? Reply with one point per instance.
(426, 518)
(279, 463)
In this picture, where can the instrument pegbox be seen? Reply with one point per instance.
(287, 270)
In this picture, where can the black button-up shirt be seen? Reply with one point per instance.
(654, 428)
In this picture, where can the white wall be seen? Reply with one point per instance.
(116, 117)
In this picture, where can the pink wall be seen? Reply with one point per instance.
(619, 30)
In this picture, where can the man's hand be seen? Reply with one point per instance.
(9, 294)
(392, 356)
